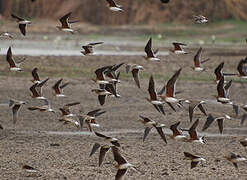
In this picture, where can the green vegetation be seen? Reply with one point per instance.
(76, 72)
(227, 31)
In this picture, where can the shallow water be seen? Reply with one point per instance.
(131, 131)
(63, 47)
(71, 52)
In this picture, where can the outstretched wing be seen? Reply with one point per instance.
(17, 17)
(148, 48)
(64, 20)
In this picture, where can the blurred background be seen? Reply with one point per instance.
(136, 11)
(142, 19)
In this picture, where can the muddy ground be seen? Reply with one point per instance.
(31, 139)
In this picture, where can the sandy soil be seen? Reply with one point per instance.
(30, 141)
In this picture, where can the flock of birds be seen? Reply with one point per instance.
(107, 79)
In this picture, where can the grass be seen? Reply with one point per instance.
(85, 73)
(227, 31)
(231, 31)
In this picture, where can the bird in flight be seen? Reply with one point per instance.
(13, 65)
(66, 24)
(114, 7)
(22, 23)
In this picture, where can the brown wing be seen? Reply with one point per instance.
(34, 91)
(64, 111)
(220, 87)
(191, 109)
(192, 130)
(210, 119)
(243, 118)
(135, 76)
(156, 51)
(72, 104)
(64, 20)
(22, 28)
(103, 151)
(96, 146)
(89, 125)
(193, 135)
(111, 3)
(146, 132)
(101, 135)
(177, 46)
(33, 108)
(56, 86)
(171, 106)
(197, 57)
(74, 21)
(235, 165)
(120, 174)
(88, 49)
(205, 60)
(116, 66)
(218, 71)
(227, 87)
(161, 108)
(27, 167)
(35, 74)
(151, 89)
(110, 88)
(161, 133)
(111, 73)
(145, 119)
(220, 124)
(64, 85)
(43, 82)
(99, 113)
(193, 127)
(194, 164)
(15, 111)
(95, 43)
(174, 129)
(242, 67)
(202, 109)
(148, 49)
(92, 113)
(39, 86)
(101, 99)
(117, 156)
(171, 84)
(100, 72)
(10, 59)
(189, 155)
(162, 90)
(17, 17)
